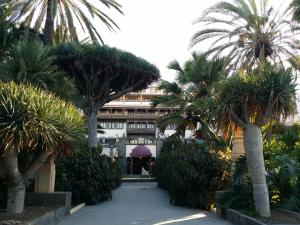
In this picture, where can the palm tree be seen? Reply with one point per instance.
(251, 102)
(30, 62)
(248, 32)
(63, 17)
(189, 94)
(34, 121)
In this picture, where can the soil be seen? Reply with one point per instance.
(279, 217)
(29, 214)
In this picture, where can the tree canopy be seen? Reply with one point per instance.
(248, 32)
(63, 20)
(102, 73)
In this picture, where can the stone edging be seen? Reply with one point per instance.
(238, 218)
(50, 218)
(77, 208)
(291, 213)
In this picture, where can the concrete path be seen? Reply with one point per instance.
(140, 204)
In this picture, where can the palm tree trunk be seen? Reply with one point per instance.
(255, 160)
(49, 25)
(92, 130)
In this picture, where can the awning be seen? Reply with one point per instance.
(141, 151)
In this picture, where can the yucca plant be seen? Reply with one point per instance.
(65, 18)
(38, 122)
(251, 102)
(248, 33)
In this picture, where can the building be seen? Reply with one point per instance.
(130, 128)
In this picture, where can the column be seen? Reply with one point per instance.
(45, 178)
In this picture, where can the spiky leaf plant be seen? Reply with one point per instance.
(38, 122)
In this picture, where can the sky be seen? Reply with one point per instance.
(159, 30)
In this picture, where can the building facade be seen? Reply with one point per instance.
(130, 122)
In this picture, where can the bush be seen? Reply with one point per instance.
(90, 177)
(191, 173)
(240, 194)
(283, 168)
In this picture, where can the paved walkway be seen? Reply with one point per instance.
(140, 204)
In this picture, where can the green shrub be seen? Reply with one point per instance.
(191, 173)
(89, 175)
(282, 155)
(240, 194)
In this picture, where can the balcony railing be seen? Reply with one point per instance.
(126, 116)
(141, 130)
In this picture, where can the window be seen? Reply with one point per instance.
(104, 111)
(151, 112)
(132, 99)
(143, 125)
(130, 125)
(150, 141)
(150, 125)
(132, 141)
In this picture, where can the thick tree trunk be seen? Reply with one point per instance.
(255, 160)
(16, 187)
(15, 199)
(92, 130)
(49, 24)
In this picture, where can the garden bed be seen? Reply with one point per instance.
(29, 214)
(279, 217)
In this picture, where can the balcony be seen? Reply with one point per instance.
(127, 116)
(141, 130)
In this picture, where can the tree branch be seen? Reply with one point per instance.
(35, 165)
(237, 120)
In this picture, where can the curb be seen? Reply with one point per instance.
(77, 208)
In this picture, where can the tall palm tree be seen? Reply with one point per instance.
(34, 121)
(188, 96)
(248, 32)
(65, 17)
(30, 62)
(251, 102)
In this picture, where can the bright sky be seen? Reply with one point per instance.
(159, 30)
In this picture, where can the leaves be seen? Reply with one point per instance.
(191, 173)
(37, 120)
(189, 96)
(103, 73)
(249, 33)
(29, 62)
(257, 98)
(67, 15)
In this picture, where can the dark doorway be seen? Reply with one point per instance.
(137, 164)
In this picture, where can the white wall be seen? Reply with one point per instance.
(152, 148)
(188, 134)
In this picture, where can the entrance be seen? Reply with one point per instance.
(141, 158)
(138, 163)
